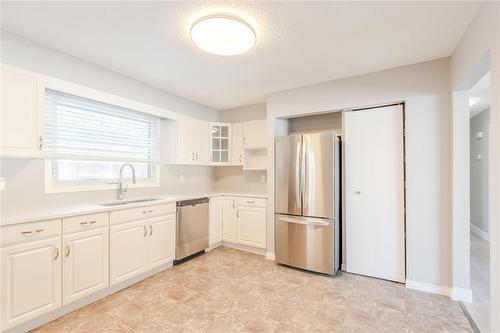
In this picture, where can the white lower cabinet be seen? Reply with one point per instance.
(229, 220)
(85, 264)
(127, 250)
(138, 246)
(161, 241)
(251, 226)
(243, 220)
(215, 224)
(31, 280)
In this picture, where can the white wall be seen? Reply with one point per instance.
(234, 179)
(482, 38)
(425, 88)
(24, 178)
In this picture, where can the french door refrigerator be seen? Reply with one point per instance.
(307, 201)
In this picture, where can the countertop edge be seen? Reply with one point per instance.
(84, 209)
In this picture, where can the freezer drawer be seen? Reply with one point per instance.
(307, 243)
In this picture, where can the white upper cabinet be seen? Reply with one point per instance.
(21, 114)
(237, 144)
(192, 140)
(220, 143)
(254, 134)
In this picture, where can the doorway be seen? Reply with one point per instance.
(479, 253)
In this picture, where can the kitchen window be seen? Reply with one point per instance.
(87, 141)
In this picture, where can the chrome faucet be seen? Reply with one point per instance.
(121, 188)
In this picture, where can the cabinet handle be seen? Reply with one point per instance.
(192, 158)
(87, 223)
(238, 214)
(40, 145)
(250, 202)
(26, 233)
(233, 205)
(244, 140)
(147, 211)
(56, 253)
(197, 156)
(68, 250)
(150, 230)
(145, 231)
(240, 157)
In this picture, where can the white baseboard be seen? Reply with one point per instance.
(428, 288)
(270, 256)
(461, 294)
(251, 249)
(479, 232)
(52, 315)
(343, 267)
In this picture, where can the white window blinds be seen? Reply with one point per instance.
(81, 128)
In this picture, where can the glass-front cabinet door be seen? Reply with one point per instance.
(220, 152)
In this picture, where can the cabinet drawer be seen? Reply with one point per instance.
(84, 222)
(250, 202)
(134, 214)
(24, 232)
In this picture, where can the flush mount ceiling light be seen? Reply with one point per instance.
(223, 35)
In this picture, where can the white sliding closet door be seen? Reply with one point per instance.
(374, 193)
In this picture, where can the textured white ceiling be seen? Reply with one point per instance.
(298, 43)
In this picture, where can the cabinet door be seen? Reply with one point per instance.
(161, 240)
(85, 264)
(202, 142)
(21, 113)
(31, 280)
(251, 226)
(254, 133)
(127, 250)
(215, 220)
(237, 144)
(220, 143)
(228, 220)
(185, 136)
(375, 193)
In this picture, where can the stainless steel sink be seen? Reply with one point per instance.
(121, 203)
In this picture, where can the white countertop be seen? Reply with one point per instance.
(91, 208)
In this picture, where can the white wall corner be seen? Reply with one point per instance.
(461, 294)
(270, 256)
(479, 232)
(428, 288)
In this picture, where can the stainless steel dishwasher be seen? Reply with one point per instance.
(192, 227)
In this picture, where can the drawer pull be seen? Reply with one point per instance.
(88, 223)
(56, 253)
(147, 211)
(30, 233)
(250, 202)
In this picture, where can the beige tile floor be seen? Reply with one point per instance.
(227, 290)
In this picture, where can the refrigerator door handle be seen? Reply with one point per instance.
(307, 221)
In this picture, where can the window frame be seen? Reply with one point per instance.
(51, 183)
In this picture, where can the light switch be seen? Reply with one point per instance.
(479, 157)
(478, 135)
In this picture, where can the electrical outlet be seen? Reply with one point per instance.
(181, 178)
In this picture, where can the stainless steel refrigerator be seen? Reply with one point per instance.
(307, 201)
